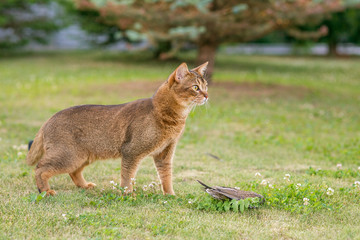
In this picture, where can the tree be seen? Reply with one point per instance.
(343, 27)
(209, 23)
(22, 21)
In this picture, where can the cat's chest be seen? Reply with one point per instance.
(165, 142)
(160, 148)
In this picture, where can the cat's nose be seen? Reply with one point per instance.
(206, 95)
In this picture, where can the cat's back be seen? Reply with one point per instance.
(88, 119)
(83, 115)
(94, 113)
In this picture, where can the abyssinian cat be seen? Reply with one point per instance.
(75, 137)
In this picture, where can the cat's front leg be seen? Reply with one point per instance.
(163, 163)
(129, 166)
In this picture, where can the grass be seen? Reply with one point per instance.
(272, 115)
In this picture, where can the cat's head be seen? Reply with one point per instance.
(189, 86)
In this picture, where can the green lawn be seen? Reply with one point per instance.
(272, 115)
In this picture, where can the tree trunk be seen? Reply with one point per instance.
(332, 48)
(206, 53)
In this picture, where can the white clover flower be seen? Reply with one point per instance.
(133, 181)
(125, 188)
(357, 183)
(112, 182)
(339, 166)
(237, 188)
(271, 186)
(359, 168)
(330, 191)
(257, 174)
(151, 185)
(298, 185)
(20, 147)
(113, 187)
(64, 216)
(164, 202)
(190, 202)
(23, 147)
(287, 177)
(19, 154)
(264, 182)
(306, 201)
(144, 187)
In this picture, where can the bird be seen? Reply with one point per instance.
(224, 193)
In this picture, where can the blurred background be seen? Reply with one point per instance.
(282, 27)
(284, 99)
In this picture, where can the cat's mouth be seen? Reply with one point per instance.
(203, 101)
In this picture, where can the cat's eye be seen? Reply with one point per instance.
(196, 88)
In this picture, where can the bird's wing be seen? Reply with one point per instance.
(216, 194)
(237, 194)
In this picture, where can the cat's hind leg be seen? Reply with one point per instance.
(55, 162)
(79, 180)
(42, 176)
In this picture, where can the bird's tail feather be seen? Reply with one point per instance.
(206, 186)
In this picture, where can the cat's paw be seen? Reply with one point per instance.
(50, 192)
(90, 185)
(169, 193)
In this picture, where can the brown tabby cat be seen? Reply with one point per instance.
(75, 137)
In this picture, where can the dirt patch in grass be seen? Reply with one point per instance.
(217, 89)
(247, 89)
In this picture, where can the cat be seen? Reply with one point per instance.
(77, 136)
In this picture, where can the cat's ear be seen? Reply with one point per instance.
(201, 69)
(179, 74)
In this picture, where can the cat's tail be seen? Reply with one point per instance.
(36, 149)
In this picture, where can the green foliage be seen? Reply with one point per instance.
(91, 22)
(343, 27)
(304, 197)
(239, 8)
(208, 203)
(293, 198)
(208, 23)
(24, 23)
(35, 198)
